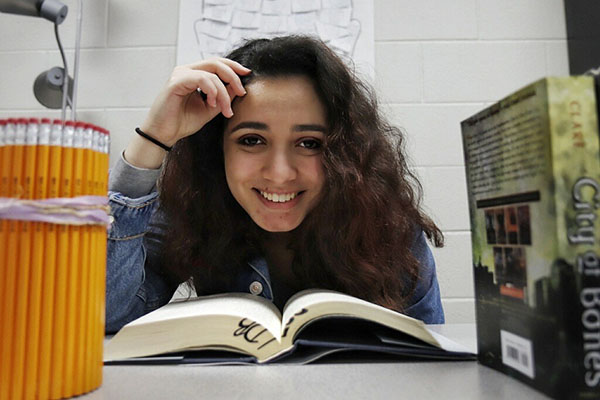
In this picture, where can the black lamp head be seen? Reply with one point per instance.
(52, 10)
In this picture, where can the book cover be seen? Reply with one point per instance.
(533, 177)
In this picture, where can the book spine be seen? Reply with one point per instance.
(575, 150)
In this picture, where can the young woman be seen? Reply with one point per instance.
(282, 176)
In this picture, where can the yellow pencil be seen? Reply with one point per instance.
(103, 190)
(57, 388)
(3, 189)
(3, 193)
(22, 363)
(37, 263)
(5, 314)
(4, 171)
(12, 259)
(47, 349)
(74, 292)
(85, 238)
(87, 261)
(89, 338)
(91, 284)
(97, 266)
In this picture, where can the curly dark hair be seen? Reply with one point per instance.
(356, 240)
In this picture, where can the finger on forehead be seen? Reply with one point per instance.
(223, 99)
(223, 71)
(221, 88)
(210, 65)
(234, 64)
(227, 74)
(231, 92)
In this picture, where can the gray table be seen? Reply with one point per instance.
(410, 380)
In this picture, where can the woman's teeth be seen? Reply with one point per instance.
(278, 198)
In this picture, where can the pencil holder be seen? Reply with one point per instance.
(53, 221)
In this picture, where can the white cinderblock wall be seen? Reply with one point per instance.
(437, 62)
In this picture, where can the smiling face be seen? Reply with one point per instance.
(272, 147)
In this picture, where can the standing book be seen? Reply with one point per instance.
(533, 176)
(241, 328)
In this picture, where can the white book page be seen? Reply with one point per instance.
(449, 344)
(239, 305)
(311, 304)
(248, 323)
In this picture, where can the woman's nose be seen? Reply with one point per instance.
(279, 167)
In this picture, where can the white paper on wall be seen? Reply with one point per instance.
(305, 5)
(277, 7)
(246, 19)
(214, 27)
(248, 5)
(218, 2)
(207, 27)
(219, 13)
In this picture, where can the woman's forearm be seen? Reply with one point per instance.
(142, 153)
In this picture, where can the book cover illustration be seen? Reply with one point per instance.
(533, 172)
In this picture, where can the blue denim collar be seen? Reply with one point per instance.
(261, 269)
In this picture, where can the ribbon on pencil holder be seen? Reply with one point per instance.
(81, 210)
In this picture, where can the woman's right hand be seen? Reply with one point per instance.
(180, 110)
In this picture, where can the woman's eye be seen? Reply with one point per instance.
(250, 141)
(311, 144)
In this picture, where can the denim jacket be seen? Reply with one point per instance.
(133, 288)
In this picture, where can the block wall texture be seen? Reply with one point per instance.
(436, 63)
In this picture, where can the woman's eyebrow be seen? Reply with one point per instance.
(262, 126)
(250, 125)
(310, 128)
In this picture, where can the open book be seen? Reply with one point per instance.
(251, 329)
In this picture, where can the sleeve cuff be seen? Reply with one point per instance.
(132, 181)
(132, 215)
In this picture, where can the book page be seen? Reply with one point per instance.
(313, 304)
(252, 307)
(248, 323)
